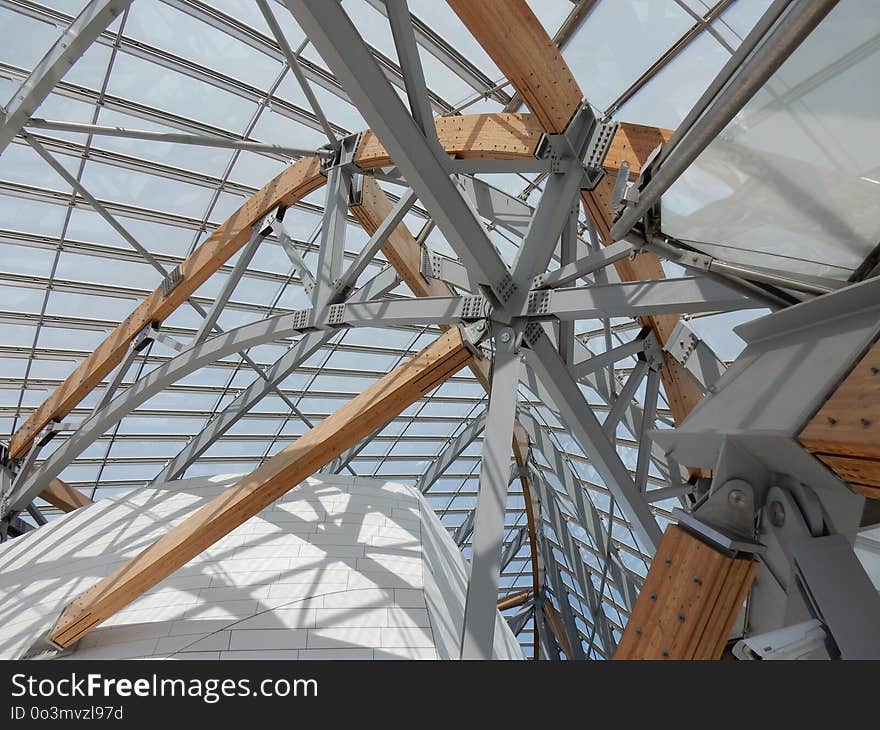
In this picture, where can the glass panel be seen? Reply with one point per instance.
(793, 183)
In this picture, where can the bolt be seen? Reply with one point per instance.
(668, 561)
(638, 632)
(875, 371)
(681, 617)
(832, 421)
(736, 498)
(865, 423)
(505, 336)
(777, 514)
(653, 596)
(697, 580)
(665, 655)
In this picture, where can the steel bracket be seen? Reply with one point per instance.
(474, 334)
(344, 155)
(171, 281)
(475, 307)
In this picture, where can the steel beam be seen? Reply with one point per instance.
(626, 395)
(411, 67)
(82, 32)
(478, 632)
(338, 42)
(686, 295)
(297, 71)
(587, 431)
(570, 272)
(649, 413)
(452, 451)
(198, 140)
(332, 244)
(377, 240)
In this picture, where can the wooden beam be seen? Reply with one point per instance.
(479, 135)
(554, 621)
(517, 599)
(845, 432)
(401, 249)
(521, 455)
(294, 183)
(64, 497)
(362, 415)
(517, 42)
(689, 602)
(515, 39)
(497, 136)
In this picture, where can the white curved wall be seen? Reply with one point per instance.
(340, 567)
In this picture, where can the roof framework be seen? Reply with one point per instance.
(253, 325)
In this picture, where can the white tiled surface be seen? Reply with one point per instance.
(339, 568)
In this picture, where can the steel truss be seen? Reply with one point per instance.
(524, 310)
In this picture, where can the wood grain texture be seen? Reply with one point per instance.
(518, 44)
(632, 143)
(471, 136)
(846, 429)
(689, 602)
(479, 135)
(554, 621)
(291, 185)
(66, 498)
(318, 446)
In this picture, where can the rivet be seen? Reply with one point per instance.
(875, 371)
(681, 617)
(832, 421)
(697, 580)
(668, 561)
(665, 654)
(638, 632)
(866, 422)
(653, 596)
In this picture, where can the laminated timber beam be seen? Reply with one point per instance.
(364, 414)
(61, 495)
(404, 253)
(512, 601)
(689, 602)
(519, 45)
(507, 136)
(845, 432)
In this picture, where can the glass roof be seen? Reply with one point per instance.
(214, 68)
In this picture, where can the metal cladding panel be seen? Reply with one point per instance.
(340, 567)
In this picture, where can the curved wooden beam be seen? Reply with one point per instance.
(505, 136)
(318, 446)
(519, 45)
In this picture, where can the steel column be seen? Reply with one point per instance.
(480, 613)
